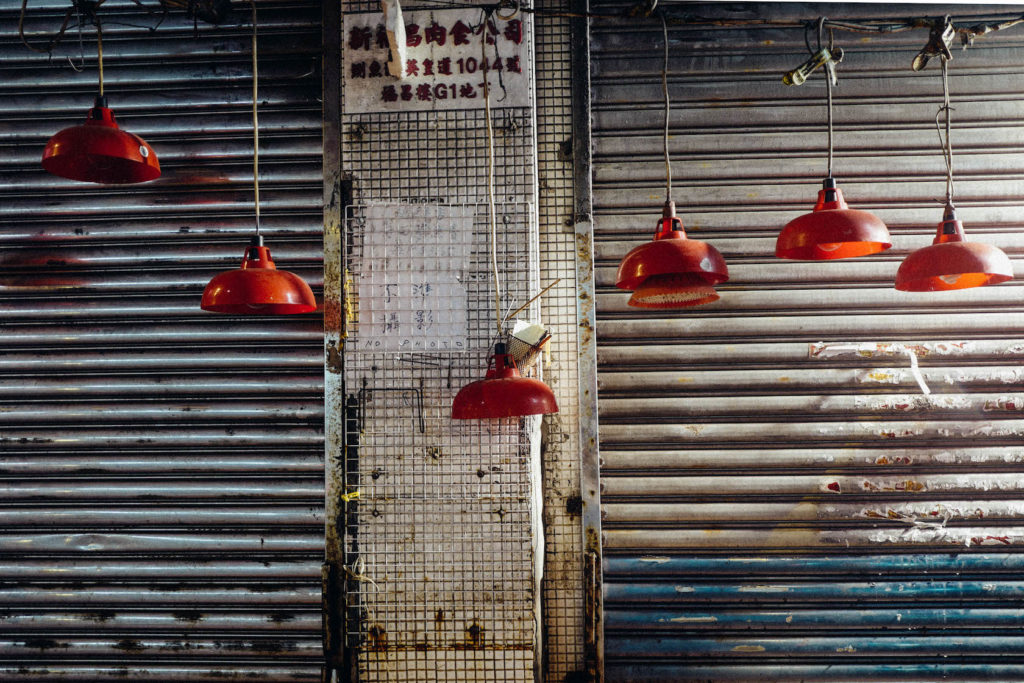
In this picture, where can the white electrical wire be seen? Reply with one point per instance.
(492, 212)
(255, 121)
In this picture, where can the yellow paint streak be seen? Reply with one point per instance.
(748, 648)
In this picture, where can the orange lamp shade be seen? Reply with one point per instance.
(673, 291)
(98, 151)
(832, 230)
(664, 272)
(951, 262)
(258, 288)
(503, 393)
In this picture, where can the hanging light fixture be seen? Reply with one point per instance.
(503, 393)
(671, 271)
(832, 230)
(951, 262)
(257, 287)
(98, 151)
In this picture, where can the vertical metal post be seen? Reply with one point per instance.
(586, 311)
(334, 198)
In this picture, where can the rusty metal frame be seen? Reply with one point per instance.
(586, 310)
(337, 195)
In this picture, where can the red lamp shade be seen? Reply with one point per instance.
(503, 393)
(951, 262)
(258, 287)
(97, 151)
(671, 271)
(832, 230)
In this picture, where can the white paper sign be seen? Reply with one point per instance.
(410, 290)
(444, 62)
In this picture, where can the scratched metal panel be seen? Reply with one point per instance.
(781, 498)
(161, 497)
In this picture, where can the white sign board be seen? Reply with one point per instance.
(410, 290)
(445, 62)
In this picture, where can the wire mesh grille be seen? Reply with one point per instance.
(440, 541)
(562, 587)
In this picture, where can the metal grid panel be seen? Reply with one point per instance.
(563, 571)
(441, 544)
(441, 535)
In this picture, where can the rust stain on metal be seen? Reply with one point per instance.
(1003, 405)
(979, 540)
(748, 648)
(904, 485)
(378, 638)
(895, 460)
(834, 487)
(334, 359)
(886, 349)
(475, 636)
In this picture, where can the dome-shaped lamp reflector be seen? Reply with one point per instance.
(503, 393)
(671, 271)
(98, 151)
(951, 262)
(832, 230)
(258, 287)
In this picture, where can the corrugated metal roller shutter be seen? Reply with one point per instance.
(162, 479)
(781, 501)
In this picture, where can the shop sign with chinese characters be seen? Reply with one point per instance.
(445, 62)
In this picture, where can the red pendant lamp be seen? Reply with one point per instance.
(671, 271)
(951, 262)
(503, 392)
(832, 230)
(257, 287)
(98, 151)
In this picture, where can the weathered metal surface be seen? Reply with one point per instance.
(586, 312)
(815, 478)
(162, 466)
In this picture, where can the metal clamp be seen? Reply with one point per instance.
(820, 58)
(939, 40)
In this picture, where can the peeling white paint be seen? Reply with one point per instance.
(685, 589)
(694, 620)
(655, 560)
(764, 589)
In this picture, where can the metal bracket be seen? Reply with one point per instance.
(820, 58)
(939, 40)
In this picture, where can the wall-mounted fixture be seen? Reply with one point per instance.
(832, 230)
(98, 151)
(671, 271)
(951, 262)
(257, 287)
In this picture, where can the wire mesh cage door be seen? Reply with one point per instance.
(440, 515)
